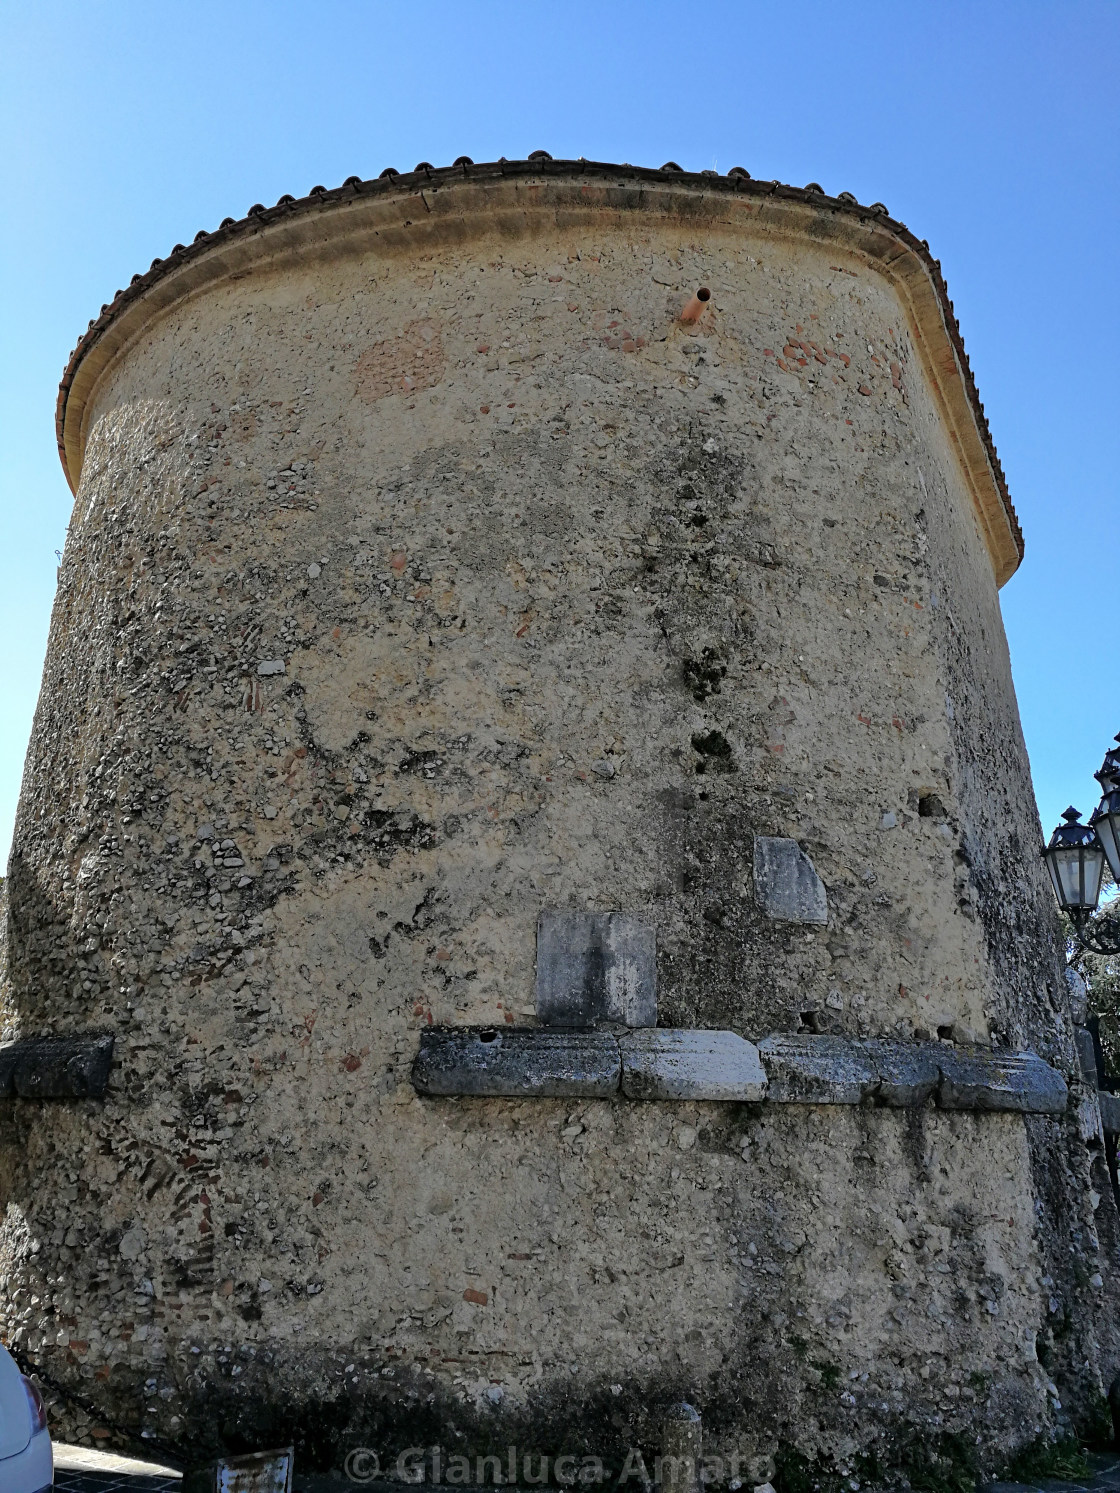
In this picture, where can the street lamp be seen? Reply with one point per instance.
(1075, 858)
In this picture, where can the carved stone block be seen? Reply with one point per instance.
(668, 1064)
(907, 1072)
(993, 1081)
(786, 882)
(56, 1067)
(1110, 1112)
(1087, 1055)
(817, 1070)
(533, 1064)
(595, 967)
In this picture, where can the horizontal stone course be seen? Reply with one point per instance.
(1013, 1080)
(56, 1067)
(843, 1070)
(665, 1063)
(818, 1070)
(535, 1064)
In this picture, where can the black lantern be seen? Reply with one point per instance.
(1075, 858)
(1109, 775)
(1105, 823)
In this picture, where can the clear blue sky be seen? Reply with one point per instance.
(992, 129)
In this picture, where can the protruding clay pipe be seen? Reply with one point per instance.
(695, 308)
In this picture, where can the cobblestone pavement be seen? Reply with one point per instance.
(78, 1470)
(69, 1481)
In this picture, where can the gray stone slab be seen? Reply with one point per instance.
(1110, 1112)
(1086, 1055)
(1088, 1115)
(533, 1064)
(786, 882)
(1078, 996)
(595, 967)
(908, 1073)
(807, 1069)
(817, 1070)
(56, 1067)
(663, 1063)
(976, 1079)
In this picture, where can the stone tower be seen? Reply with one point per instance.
(528, 777)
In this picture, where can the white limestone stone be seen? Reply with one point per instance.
(662, 1063)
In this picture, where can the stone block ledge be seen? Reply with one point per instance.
(664, 1063)
(56, 1067)
(1110, 1112)
(876, 1070)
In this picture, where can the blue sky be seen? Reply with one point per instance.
(992, 129)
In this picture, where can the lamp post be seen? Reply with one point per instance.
(1076, 856)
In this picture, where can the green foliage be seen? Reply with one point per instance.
(1095, 1427)
(946, 1464)
(794, 1473)
(829, 1372)
(1061, 1458)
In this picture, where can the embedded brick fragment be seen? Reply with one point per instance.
(595, 967)
(534, 1064)
(786, 882)
(668, 1064)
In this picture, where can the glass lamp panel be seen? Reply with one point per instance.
(1094, 875)
(1079, 870)
(1106, 822)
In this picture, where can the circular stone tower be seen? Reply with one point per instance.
(527, 774)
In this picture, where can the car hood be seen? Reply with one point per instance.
(15, 1412)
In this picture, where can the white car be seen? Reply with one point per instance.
(26, 1460)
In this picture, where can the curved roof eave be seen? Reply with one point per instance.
(868, 231)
